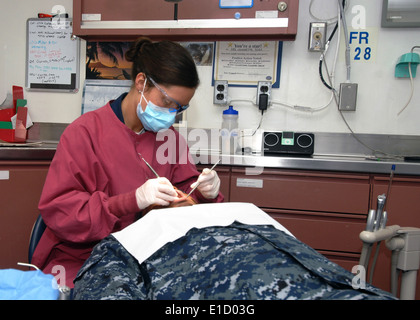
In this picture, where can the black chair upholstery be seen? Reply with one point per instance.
(36, 234)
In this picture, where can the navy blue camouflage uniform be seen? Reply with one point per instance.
(235, 262)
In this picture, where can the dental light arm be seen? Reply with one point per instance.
(379, 235)
(371, 237)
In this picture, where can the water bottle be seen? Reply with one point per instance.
(229, 132)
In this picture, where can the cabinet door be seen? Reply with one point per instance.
(323, 231)
(303, 190)
(194, 20)
(20, 190)
(403, 203)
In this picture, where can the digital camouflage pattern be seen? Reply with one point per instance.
(235, 262)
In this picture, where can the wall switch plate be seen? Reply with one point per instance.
(220, 95)
(348, 97)
(264, 87)
(317, 36)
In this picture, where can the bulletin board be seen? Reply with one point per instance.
(52, 55)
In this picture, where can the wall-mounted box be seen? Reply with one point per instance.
(191, 20)
(400, 14)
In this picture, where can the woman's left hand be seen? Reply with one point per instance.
(209, 184)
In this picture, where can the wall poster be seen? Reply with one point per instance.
(244, 63)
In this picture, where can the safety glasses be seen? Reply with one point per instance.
(179, 109)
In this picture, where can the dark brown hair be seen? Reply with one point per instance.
(166, 62)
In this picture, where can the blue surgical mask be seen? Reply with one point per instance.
(155, 118)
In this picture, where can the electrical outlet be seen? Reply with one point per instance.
(220, 95)
(264, 87)
(348, 97)
(317, 36)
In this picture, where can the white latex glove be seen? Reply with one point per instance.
(155, 191)
(209, 183)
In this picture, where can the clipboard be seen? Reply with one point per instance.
(52, 55)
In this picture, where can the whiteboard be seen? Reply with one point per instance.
(52, 55)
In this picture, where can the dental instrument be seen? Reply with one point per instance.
(211, 169)
(150, 167)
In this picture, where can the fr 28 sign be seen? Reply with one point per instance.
(362, 40)
(359, 40)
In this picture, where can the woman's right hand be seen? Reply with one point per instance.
(155, 191)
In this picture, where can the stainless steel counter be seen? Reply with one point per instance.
(31, 151)
(367, 153)
(322, 163)
(333, 152)
(45, 151)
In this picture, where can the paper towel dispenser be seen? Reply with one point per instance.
(400, 13)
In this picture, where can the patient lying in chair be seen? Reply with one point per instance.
(212, 251)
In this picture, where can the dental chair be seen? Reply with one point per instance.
(36, 234)
(38, 229)
(31, 284)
